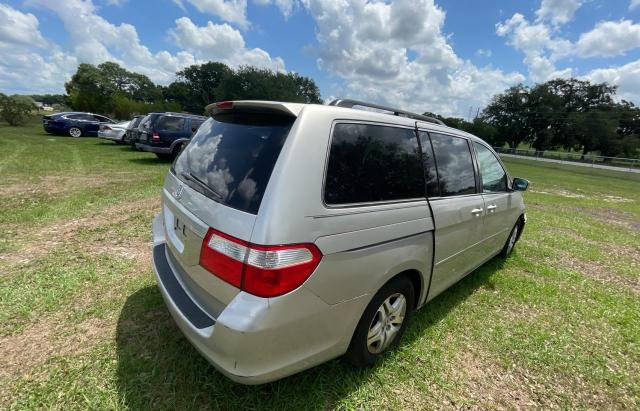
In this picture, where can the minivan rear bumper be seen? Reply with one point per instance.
(257, 340)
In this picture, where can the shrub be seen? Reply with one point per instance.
(15, 110)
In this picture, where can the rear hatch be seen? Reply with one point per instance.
(218, 182)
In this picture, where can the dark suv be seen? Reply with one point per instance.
(165, 134)
(74, 124)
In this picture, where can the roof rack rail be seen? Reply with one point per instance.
(396, 112)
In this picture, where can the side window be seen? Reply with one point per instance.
(171, 123)
(455, 165)
(428, 159)
(494, 178)
(369, 163)
(195, 125)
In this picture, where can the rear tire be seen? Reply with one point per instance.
(511, 240)
(75, 132)
(383, 322)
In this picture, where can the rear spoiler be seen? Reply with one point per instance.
(255, 106)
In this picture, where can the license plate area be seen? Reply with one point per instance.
(184, 234)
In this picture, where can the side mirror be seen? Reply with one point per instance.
(520, 184)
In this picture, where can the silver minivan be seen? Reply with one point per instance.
(291, 234)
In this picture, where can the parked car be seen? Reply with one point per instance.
(165, 134)
(291, 234)
(114, 132)
(74, 124)
(131, 132)
(138, 130)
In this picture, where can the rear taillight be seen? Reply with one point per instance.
(265, 271)
(155, 137)
(105, 128)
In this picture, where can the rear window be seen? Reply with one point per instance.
(170, 123)
(233, 155)
(134, 123)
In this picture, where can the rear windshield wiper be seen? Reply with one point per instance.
(204, 186)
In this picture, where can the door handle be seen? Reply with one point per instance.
(476, 211)
(492, 208)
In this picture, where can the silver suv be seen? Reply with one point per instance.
(291, 234)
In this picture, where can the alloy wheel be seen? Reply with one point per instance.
(386, 323)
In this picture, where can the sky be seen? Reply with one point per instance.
(446, 56)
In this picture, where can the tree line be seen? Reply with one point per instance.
(568, 114)
(110, 88)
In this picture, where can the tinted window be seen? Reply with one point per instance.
(430, 175)
(85, 117)
(455, 165)
(493, 176)
(234, 155)
(370, 163)
(170, 123)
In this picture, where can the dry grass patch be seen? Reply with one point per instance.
(22, 354)
(599, 271)
(31, 246)
(56, 184)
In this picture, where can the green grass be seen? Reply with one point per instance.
(83, 325)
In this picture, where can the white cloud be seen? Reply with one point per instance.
(609, 38)
(232, 11)
(626, 77)
(558, 12)
(286, 6)
(540, 48)
(19, 28)
(94, 40)
(26, 65)
(634, 4)
(220, 42)
(484, 53)
(118, 3)
(396, 53)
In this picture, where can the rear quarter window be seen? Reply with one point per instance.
(234, 155)
(372, 163)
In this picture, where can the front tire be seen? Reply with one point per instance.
(511, 240)
(75, 132)
(383, 322)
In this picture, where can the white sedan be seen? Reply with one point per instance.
(113, 132)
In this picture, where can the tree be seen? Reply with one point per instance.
(16, 109)
(181, 93)
(50, 99)
(87, 90)
(96, 89)
(202, 80)
(508, 113)
(252, 83)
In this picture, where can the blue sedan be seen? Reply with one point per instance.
(74, 124)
